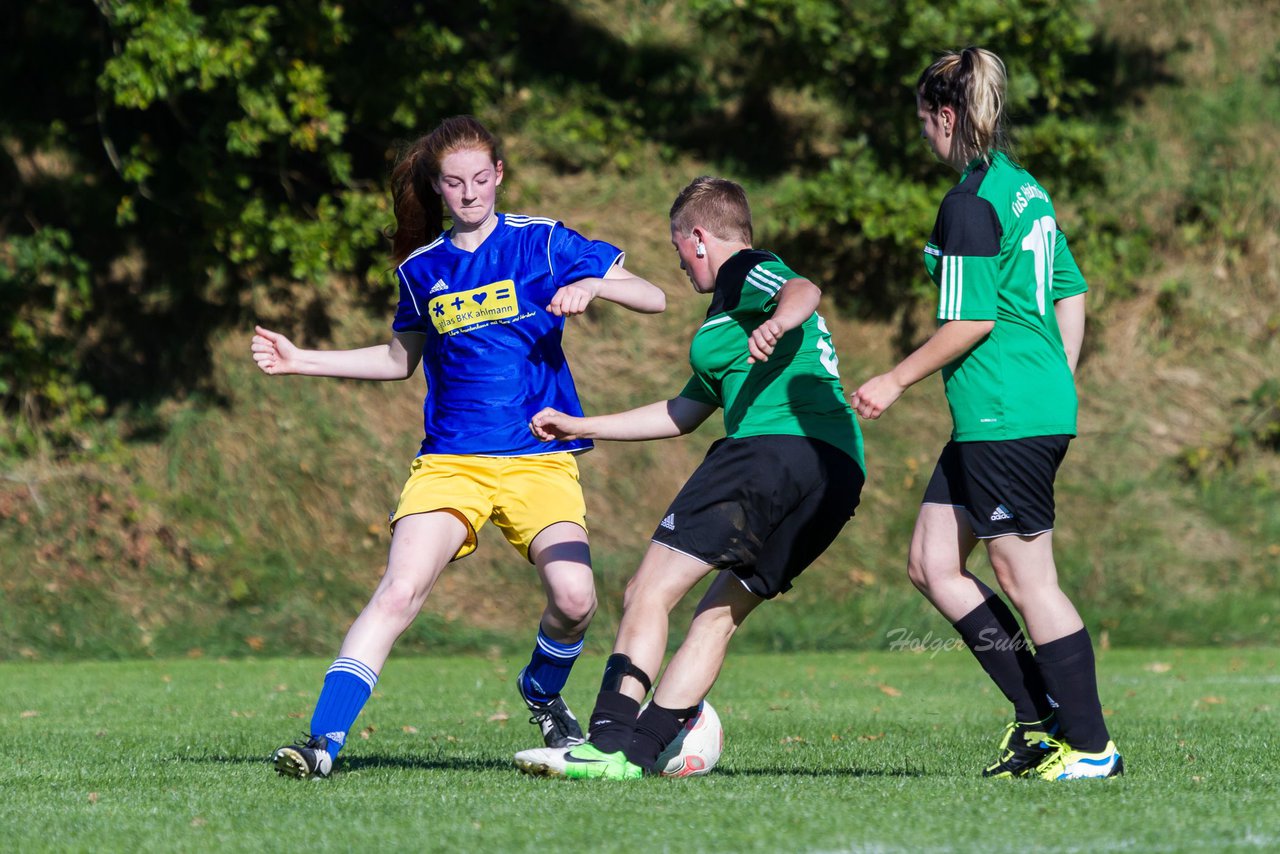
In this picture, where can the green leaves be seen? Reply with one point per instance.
(44, 301)
(178, 153)
(163, 49)
(869, 200)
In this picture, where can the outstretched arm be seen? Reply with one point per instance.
(661, 420)
(395, 360)
(618, 285)
(797, 301)
(951, 341)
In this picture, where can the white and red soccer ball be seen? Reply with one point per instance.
(696, 750)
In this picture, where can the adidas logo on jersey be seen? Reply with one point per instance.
(439, 286)
(1001, 513)
(669, 523)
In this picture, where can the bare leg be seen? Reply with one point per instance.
(696, 665)
(1064, 653)
(940, 546)
(1025, 568)
(563, 559)
(663, 579)
(421, 546)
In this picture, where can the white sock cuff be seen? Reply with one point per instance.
(555, 649)
(356, 668)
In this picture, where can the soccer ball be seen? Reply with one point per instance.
(696, 749)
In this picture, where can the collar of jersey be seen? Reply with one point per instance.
(448, 241)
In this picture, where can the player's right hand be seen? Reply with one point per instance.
(274, 353)
(875, 396)
(552, 424)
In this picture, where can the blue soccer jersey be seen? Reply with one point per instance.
(492, 357)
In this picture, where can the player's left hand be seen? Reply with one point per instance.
(876, 395)
(551, 424)
(572, 299)
(761, 342)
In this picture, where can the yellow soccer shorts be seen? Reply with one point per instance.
(523, 495)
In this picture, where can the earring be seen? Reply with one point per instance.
(700, 250)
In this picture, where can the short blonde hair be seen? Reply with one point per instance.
(716, 204)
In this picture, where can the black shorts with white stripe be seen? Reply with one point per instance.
(1005, 487)
(763, 507)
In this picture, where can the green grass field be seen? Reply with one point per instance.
(832, 752)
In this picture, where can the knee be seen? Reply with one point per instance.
(916, 572)
(631, 594)
(1007, 579)
(644, 594)
(575, 606)
(714, 624)
(396, 601)
(1012, 582)
(923, 570)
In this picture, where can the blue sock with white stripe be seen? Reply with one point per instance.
(548, 668)
(347, 686)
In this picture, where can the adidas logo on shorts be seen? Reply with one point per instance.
(1001, 514)
(669, 523)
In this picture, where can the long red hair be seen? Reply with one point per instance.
(419, 209)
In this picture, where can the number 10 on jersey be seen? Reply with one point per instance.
(1041, 243)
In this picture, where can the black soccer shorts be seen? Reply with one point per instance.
(763, 507)
(1005, 487)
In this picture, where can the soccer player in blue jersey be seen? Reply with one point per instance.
(483, 308)
(1010, 326)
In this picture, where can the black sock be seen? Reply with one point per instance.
(994, 637)
(1072, 679)
(656, 728)
(613, 721)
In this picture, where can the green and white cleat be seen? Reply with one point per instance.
(584, 762)
(542, 761)
(1066, 763)
(587, 762)
(1023, 748)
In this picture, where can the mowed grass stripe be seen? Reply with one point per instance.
(824, 752)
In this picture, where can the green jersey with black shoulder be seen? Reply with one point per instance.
(797, 391)
(997, 253)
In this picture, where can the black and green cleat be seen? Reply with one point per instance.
(1023, 748)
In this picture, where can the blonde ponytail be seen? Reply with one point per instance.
(972, 82)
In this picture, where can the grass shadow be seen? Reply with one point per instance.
(364, 763)
(820, 772)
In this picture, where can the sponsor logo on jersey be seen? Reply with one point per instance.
(669, 523)
(438, 287)
(1001, 514)
(458, 311)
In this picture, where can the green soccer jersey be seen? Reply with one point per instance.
(797, 391)
(996, 253)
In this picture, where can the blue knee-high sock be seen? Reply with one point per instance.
(347, 686)
(548, 668)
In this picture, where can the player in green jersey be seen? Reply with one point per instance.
(1010, 325)
(767, 500)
